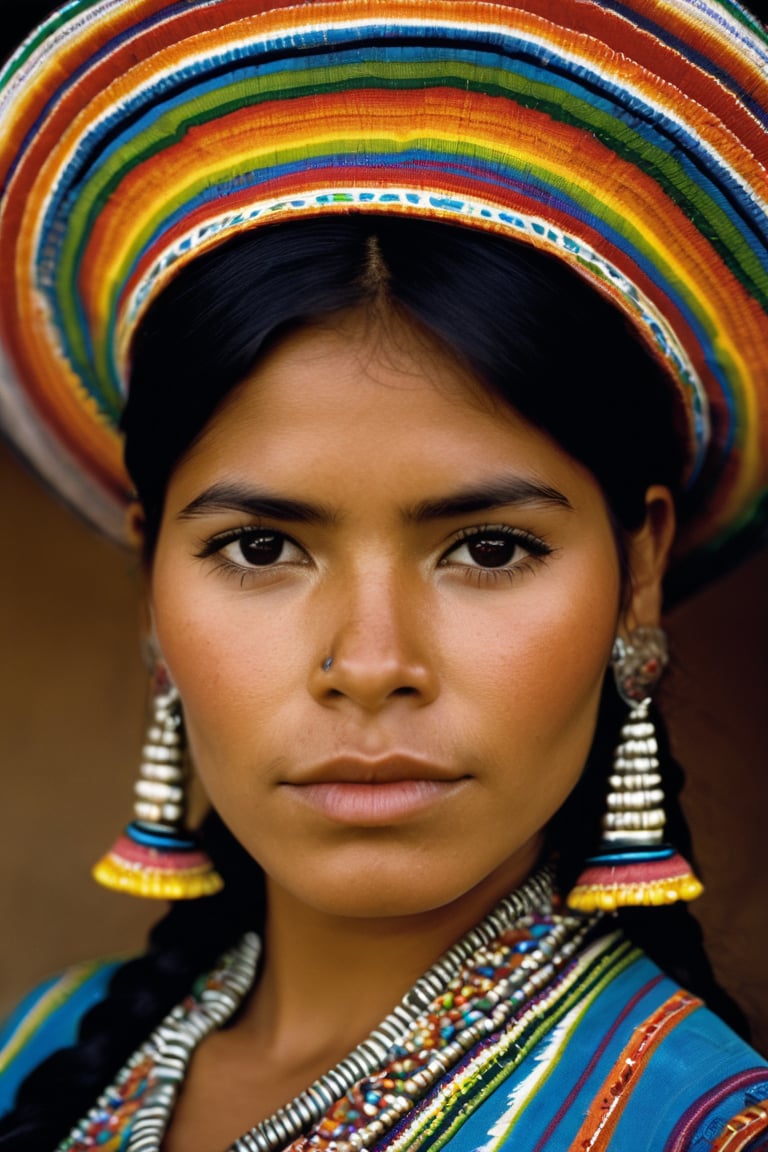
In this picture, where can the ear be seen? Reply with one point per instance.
(150, 647)
(135, 525)
(648, 554)
(135, 531)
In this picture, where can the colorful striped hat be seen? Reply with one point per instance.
(629, 137)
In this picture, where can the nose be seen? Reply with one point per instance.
(378, 647)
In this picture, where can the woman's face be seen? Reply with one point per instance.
(388, 603)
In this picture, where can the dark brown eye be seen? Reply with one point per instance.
(253, 548)
(495, 547)
(261, 548)
(492, 550)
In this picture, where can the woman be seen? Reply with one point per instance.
(391, 555)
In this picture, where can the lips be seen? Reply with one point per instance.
(374, 792)
(352, 769)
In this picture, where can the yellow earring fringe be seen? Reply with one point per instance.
(636, 878)
(160, 866)
(596, 897)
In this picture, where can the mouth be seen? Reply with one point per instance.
(370, 793)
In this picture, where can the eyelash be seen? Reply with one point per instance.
(214, 547)
(537, 551)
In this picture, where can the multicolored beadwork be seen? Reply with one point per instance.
(126, 1115)
(157, 856)
(489, 979)
(577, 1064)
(564, 1030)
(478, 1003)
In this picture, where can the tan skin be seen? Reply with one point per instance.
(461, 569)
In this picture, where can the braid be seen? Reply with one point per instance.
(185, 943)
(669, 935)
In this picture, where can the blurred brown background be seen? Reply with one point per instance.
(71, 716)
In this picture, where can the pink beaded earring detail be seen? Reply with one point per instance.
(633, 865)
(157, 856)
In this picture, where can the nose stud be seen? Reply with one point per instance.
(327, 663)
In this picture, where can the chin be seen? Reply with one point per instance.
(397, 884)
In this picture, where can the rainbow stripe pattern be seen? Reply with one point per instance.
(629, 137)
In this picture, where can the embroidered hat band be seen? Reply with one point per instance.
(630, 138)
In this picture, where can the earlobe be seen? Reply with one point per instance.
(648, 555)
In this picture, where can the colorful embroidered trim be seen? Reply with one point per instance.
(552, 1013)
(597, 1130)
(741, 1132)
(749, 1088)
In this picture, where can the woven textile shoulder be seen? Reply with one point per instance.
(46, 1020)
(591, 1047)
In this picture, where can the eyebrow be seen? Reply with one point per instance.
(496, 492)
(255, 502)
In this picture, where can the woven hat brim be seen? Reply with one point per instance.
(629, 139)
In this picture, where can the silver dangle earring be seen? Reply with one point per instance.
(633, 865)
(157, 856)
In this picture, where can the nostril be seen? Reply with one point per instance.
(371, 678)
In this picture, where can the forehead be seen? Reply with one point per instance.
(360, 352)
(371, 399)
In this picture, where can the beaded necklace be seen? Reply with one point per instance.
(486, 981)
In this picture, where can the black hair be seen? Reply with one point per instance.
(538, 336)
(535, 333)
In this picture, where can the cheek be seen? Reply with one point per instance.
(547, 641)
(236, 668)
(537, 668)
